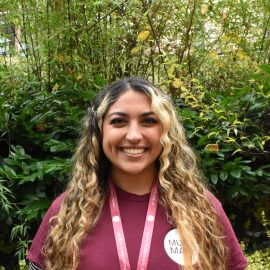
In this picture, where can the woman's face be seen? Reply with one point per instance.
(131, 134)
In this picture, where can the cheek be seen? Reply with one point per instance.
(110, 140)
(155, 136)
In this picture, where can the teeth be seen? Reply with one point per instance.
(133, 150)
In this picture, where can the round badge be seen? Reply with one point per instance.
(174, 249)
(151, 218)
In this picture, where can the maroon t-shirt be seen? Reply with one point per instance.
(98, 250)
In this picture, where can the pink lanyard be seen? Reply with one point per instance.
(147, 233)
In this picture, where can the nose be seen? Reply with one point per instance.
(134, 134)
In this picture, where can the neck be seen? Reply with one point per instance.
(136, 184)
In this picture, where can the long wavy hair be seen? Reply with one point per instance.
(181, 187)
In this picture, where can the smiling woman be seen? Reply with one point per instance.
(131, 141)
(136, 199)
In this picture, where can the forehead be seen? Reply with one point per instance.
(131, 101)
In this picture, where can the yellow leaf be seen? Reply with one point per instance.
(204, 9)
(143, 35)
(194, 105)
(226, 38)
(61, 58)
(171, 70)
(183, 95)
(219, 111)
(79, 77)
(222, 118)
(230, 140)
(177, 83)
(241, 55)
(55, 87)
(183, 88)
(236, 151)
(212, 54)
(194, 80)
(212, 134)
(135, 50)
(237, 122)
(201, 114)
(201, 96)
(212, 147)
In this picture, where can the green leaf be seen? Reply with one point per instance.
(223, 175)
(202, 140)
(265, 68)
(58, 146)
(243, 192)
(31, 178)
(259, 172)
(38, 205)
(232, 192)
(6, 116)
(214, 178)
(9, 172)
(235, 173)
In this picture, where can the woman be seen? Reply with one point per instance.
(136, 199)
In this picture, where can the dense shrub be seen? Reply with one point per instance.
(228, 130)
(259, 260)
(38, 130)
(205, 55)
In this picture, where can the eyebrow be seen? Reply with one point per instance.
(125, 114)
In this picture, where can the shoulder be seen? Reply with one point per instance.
(223, 219)
(35, 254)
(55, 206)
(53, 209)
(236, 259)
(212, 198)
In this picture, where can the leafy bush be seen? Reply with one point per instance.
(259, 260)
(230, 132)
(38, 131)
(70, 49)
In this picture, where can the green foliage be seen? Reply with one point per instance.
(38, 131)
(230, 131)
(259, 260)
(211, 56)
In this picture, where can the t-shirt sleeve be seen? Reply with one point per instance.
(35, 253)
(236, 259)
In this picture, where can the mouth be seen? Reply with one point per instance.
(133, 151)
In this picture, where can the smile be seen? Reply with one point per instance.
(133, 151)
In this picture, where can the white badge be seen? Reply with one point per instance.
(174, 248)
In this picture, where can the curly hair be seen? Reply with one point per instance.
(181, 187)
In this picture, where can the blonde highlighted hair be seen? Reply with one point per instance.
(181, 188)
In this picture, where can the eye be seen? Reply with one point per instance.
(118, 121)
(150, 121)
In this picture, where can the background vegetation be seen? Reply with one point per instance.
(213, 58)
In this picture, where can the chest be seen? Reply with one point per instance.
(98, 251)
